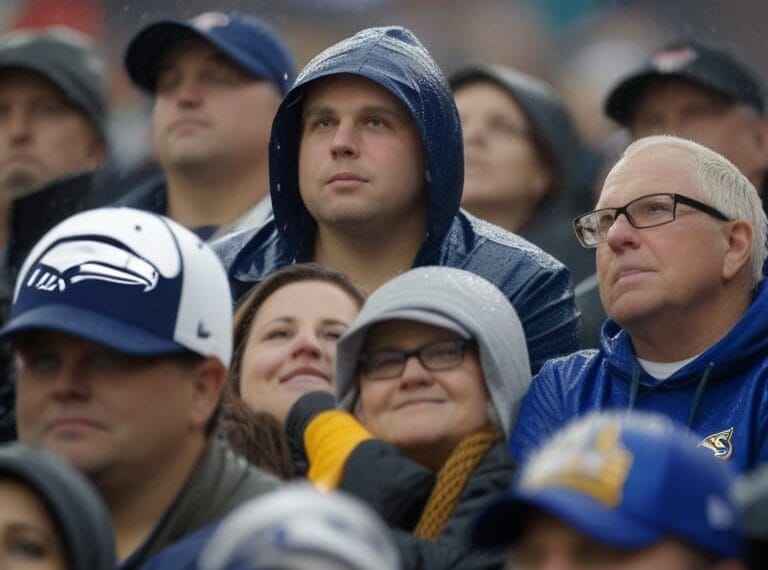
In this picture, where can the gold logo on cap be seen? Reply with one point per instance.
(593, 462)
(719, 443)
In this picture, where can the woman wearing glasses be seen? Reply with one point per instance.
(431, 374)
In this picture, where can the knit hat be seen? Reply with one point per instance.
(456, 300)
(68, 60)
(74, 504)
(250, 43)
(297, 527)
(625, 481)
(705, 65)
(131, 280)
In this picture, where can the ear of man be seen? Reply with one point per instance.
(738, 248)
(207, 381)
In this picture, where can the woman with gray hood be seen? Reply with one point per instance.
(429, 380)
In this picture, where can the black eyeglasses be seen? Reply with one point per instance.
(440, 355)
(644, 212)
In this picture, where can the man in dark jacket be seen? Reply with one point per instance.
(53, 108)
(217, 80)
(122, 330)
(680, 238)
(366, 172)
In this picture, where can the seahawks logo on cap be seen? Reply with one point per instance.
(719, 443)
(71, 262)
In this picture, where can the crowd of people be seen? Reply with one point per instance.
(338, 329)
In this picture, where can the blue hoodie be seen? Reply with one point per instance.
(722, 395)
(538, 286)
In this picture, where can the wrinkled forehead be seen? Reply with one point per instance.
(656, 169)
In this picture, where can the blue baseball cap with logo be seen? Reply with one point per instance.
(249, 42)
(127, 279)
(626, 481)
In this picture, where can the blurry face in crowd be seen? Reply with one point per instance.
(109, 413)
(208, 111)
(549, 544)
(423, 413)
(678, 107)
(361, 160)
(42, 135)
(291, 346)
(29, 539)
(502, 167)
(644, 273)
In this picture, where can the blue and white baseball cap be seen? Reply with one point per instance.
(626, 481)
(249, 42)
(136, 282)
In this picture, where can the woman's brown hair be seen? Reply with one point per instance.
(258, 436)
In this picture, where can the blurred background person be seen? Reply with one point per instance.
(285, 335)
(53, 113)
(217, 80)
(525, 168)
(300, 527)
(51, 516)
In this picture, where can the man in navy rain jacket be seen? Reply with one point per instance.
(366, 171)
(680, 237)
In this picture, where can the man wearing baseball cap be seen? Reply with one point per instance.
(618, 492)
(694, 91)
(52, 138)
(217, 81)
(122, 331)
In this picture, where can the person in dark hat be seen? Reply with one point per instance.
(702, 93)
(53, 110)
(217, 81)
(694, 91)
(64, 523)
(525, 168)
(622, 492)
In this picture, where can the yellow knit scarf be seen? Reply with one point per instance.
(451, 480)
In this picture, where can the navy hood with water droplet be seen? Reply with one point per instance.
(395, 59)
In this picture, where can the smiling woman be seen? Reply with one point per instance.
(285, 345)
(431, 374)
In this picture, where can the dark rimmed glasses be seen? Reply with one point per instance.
(439, 355)
(644, 212)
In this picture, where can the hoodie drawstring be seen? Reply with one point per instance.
(699, 393)
(634, 385)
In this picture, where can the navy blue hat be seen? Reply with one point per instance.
(710, 67)
(74, 504)
(626, 481)
(131, 280)
(250, 43)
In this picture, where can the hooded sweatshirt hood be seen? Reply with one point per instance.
(73, 503)
(455, 299)
(395, 59)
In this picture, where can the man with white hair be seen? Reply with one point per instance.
(680, 236)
